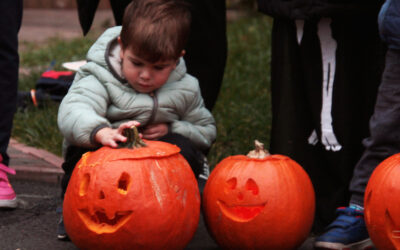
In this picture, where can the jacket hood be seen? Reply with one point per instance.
(389, 23)
(106, 53)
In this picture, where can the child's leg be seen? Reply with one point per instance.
(195, 158)
(349, 229)
(384, 128)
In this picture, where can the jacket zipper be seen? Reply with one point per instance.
(155, 107)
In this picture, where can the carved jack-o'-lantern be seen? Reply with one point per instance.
(382, 206)
(259, 201)
(141, 198)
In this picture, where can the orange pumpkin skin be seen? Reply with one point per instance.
(382, 206)
(143, 198)
(259, 203)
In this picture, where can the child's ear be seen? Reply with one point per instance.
(121, 52)
(183, 52)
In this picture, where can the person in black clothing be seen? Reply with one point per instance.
(327, 61)
(10, 23)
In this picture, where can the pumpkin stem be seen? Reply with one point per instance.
(133, 141)
(259, 152)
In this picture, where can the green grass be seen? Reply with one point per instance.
(38, 126)
(242, 111)
(243, 108)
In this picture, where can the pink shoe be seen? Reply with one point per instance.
(8, 198)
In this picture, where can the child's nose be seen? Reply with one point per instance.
(145, 74)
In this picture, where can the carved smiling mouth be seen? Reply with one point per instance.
(100, 223)
(240, 213)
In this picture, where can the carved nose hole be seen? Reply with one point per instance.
(123, 183)
(101, 195)
(84, 185)
(240, 196)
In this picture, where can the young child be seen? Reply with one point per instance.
(135, 75)
(348, 230)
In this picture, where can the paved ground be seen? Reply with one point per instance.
(41, 24)
(33, 224)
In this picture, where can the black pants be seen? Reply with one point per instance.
(206, 49)
(384, 140)
(194, 157)
(297, 101)
(10, 22)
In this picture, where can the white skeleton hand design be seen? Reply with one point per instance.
(328, 51)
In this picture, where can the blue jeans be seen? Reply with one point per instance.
(384, 126)
(10, 22)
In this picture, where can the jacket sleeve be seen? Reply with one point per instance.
(82, 110)
(196, 123)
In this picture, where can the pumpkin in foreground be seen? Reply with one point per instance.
(141, 198)
(259, 201)
(382, 206)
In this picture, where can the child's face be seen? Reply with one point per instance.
(144, 76)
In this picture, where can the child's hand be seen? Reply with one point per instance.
(155, 131)
(111, 137)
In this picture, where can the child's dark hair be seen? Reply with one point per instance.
(156, 30)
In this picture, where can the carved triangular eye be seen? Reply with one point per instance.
(84, 185)
(231, 183)
(252, 186)
(124, 183)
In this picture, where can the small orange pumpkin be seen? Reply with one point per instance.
(382, 207)
(141, 198)
(259, 201)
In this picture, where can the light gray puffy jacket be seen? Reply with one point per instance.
(99, 96)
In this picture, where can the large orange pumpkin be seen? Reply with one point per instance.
(141, 198)
(382, 206)
(259, 201)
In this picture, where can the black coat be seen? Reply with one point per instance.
(309, 9)
(87, 10)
